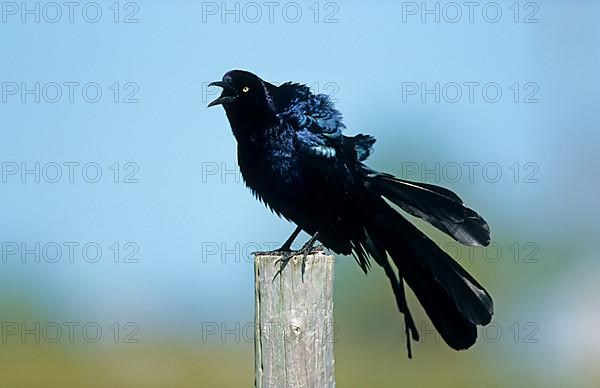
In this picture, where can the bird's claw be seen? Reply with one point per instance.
(283, 262)
(289, 255)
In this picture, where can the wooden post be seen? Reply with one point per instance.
(294, 331)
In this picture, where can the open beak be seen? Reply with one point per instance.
(228, 96)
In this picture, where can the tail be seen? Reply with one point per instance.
(454, 301)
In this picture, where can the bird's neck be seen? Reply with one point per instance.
(250, 126)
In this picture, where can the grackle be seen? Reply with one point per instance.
(294, 157)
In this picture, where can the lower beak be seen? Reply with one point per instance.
(228, 96)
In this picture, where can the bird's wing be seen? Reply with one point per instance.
(304, 110)
(318, 125)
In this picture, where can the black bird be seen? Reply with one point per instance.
(293, 156)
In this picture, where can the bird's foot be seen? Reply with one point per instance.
(306, 250)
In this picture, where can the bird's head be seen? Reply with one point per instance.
(245, 97)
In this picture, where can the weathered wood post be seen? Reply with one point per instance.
(294, 331)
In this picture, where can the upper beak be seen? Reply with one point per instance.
(228, 96)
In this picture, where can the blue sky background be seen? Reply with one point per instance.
(178, 210)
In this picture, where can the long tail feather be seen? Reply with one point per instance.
(454, 301)
(439, 206)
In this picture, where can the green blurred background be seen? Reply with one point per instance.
(143, 313)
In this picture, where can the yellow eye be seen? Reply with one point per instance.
(245, 89)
